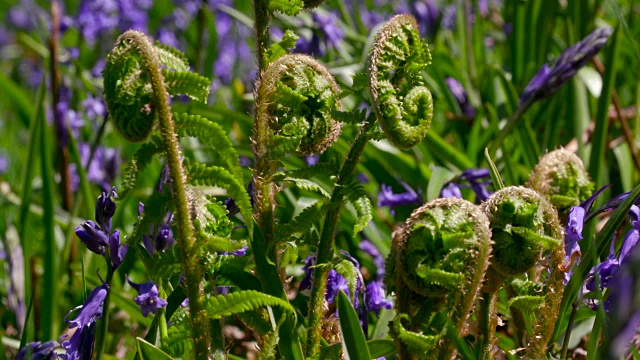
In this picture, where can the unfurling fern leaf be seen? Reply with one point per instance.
(211, 134)
(226, 305)
(364, 213)
(402, 103)
(439, 259)
(293, 110)
(171, 57)
(193, 85)
(418, 344)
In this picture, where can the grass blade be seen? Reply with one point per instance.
(353, 339)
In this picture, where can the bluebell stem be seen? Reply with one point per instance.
(550, 78)
(39, 351)
(386, 197)
(80, 345)
(460, 94)
(148, 297)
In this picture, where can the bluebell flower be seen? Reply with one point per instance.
(378, 260)
(93, 237)
(550, 78)
(160, 240)
(105, 208)
(39, 351)
(133, 14)
(102, 170)
(460, 95)
(475, 179)
(164, 238)
(80, 345)
(97, 17)
(4, 164)
(148, 297)
(451, 190)
(427, 14)
(26, 15)
(94, 107)
(116, 251)
(374, 299)
(312, 159)
(573, 232)
(309, 275)
(386, 197)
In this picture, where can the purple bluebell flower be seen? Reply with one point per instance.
(449, 16)
(93, 237)
(164, 238)
(26, 15)
(309, 275)
(102, 170)
(337, 282)
(160, 240)
(80, 345)
(312, 159)
(386, 197)
(460, 94)
(573, 232)
(148, 297)
(116, 252)
(39, 351)
(451, 190)
(4, 164)
(374, 299)
(427, 14)
(133, 14)
(105, 208)
(327, 34)
(378, 260)
(97, 17)
(94, 107)
(550, 78)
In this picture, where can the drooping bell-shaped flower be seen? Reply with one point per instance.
(148, 297)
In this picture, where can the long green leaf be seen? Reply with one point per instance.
(147, 351)
(353, 339)
(381, 347)
(14, 95)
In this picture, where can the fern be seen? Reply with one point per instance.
(349, 272)
(187, 83)
(364, 213)
(304, 222)
(527, 304)
(171, 57)
(199, 174)
(417, 343)
(308, 185)
(211, 134)
(277, 50)
(226, 305)
(256, 322)
(142, 157)
(287, 7)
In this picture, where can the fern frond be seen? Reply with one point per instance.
(287, 7)
(139, 162)
(308, 185)
(171, 57)
(187, 83)
(322, 169)
(277, 50)
(268, 349)
(256, 322)
(527, 304)
(417, 343)
(350, 273)
(226, 305)
(199, 174)
(364, 213)
(309, 217)
(211, 134)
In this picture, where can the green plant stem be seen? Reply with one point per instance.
(508, 128)
(487, 321)
(325, 247)
(101, 339)
(190, 263)
(262, 16)
(567, 334)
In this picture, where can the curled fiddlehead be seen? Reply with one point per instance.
(436, 265)
(561, 177)
(528, 256)
(402, 103)
(297, 96)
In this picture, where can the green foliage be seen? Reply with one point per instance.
(308, 185)
(403, 104)
(139, 161)
(171, 57)
(364, 213)
(353, 339)
(200, 174)
(281, 48)
(416, 343)
(349, 272)
(147, 351)
(226, 305)
(287, 7)
(187, 83)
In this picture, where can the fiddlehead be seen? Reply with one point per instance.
(297, 96)
(440, 256)
(561, 177)
(403, 104)
(528, 252)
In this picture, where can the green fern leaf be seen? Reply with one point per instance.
(268, 348)
(187, 83)
(310, 217)
(139, 162)
(308, 185)
(417, 343)
(287, 7)
(238, 302)
(256, 322)
(211, 134)
(363, 212)
(282, 47)
(527, 304)
(360, 80)
(171, 57)
(354, 117)
(281, 145)
(200, 174)
(350, 273)
(322, 169)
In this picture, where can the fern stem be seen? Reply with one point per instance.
(186, 237)
(262, 16)
(325, 247)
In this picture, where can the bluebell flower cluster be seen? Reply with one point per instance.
(148, 298)
(477, 179)
(460, 94)
(99, 236)
(80, 344)
(39, 351)
(325, 34)
(232, 47)
(550, 78)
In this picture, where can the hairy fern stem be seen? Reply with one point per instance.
(325, 247)
(179, 182)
